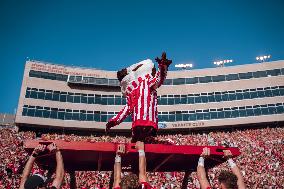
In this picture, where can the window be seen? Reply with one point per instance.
(97, 116)
(61, 114)
(53, 113)
(259, 74)
(39, 111)
(218, 97)
(279, 108)
(260, 92)
(272, 109)
(28, 92)
(239, 95)
(117, 100)
(98, 99)
(193, 80)
(257, 110)
(199, 115)
(63, 96)
(84, 98)
(48, 95)
(242, 111)
(275, 72)
(172, 116)
(211, 97)
(191, 116)
(25, 110)
(31, 111)
(253, 93)
(76, 115)
(176, 99)
(206, 79)
(56, 95)
(170, 100)
(110, 100)
(225, 96)
(218, 78)
(179, 81)
(68, 114)
(183, 99)
(91, 99)
(33, 93)
(213, 114)
(231, 77)
(40, 94)
(90, 116)
(70, 97)
(77, 98)
(264, 109)
(190, 99)
(46, 112)
(246, 94)
(197, 98)
(163, 100)
(268, 92)
(168, 82)
(178, 116)
(245, 75)
(83, 115)
(104, 100)
(249, 111)
(204, 97)
(275, 91)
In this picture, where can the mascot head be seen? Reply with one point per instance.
(133, 72)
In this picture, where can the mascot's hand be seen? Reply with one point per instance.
(163, 60)
(109, 125)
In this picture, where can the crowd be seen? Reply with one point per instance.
(261, 159)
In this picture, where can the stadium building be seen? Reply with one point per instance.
(75, 98)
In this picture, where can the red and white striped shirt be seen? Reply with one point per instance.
(142, 100)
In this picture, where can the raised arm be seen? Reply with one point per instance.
(201, 173)
(142, 162)
(236, 171)
(117, 165)
(59, 173)
(161, 74)
(30, 163)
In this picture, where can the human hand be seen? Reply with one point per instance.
(227, 154)
(52, 147)
(109, 125)
(120, 149)
(40, 148)
(205, 153)
(139, 145)
(163, 60)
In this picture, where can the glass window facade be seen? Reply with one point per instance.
(162, 100)
(207, 114)
(177, 81)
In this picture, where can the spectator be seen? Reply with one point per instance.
(38, 180)
(131, 181)
(226, 179)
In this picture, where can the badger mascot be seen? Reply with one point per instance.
(139, 83)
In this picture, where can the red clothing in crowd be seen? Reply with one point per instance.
(142, 185)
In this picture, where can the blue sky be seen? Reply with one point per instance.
(114, 34)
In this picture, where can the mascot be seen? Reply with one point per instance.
(139, 84)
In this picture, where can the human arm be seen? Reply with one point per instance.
(117, 119)
(236, 171)
(201, 173)
(142, 162)
(117, 165)
(30, 163)
(59, 173)
(161, 74)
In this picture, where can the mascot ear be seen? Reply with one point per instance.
(121, 74)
